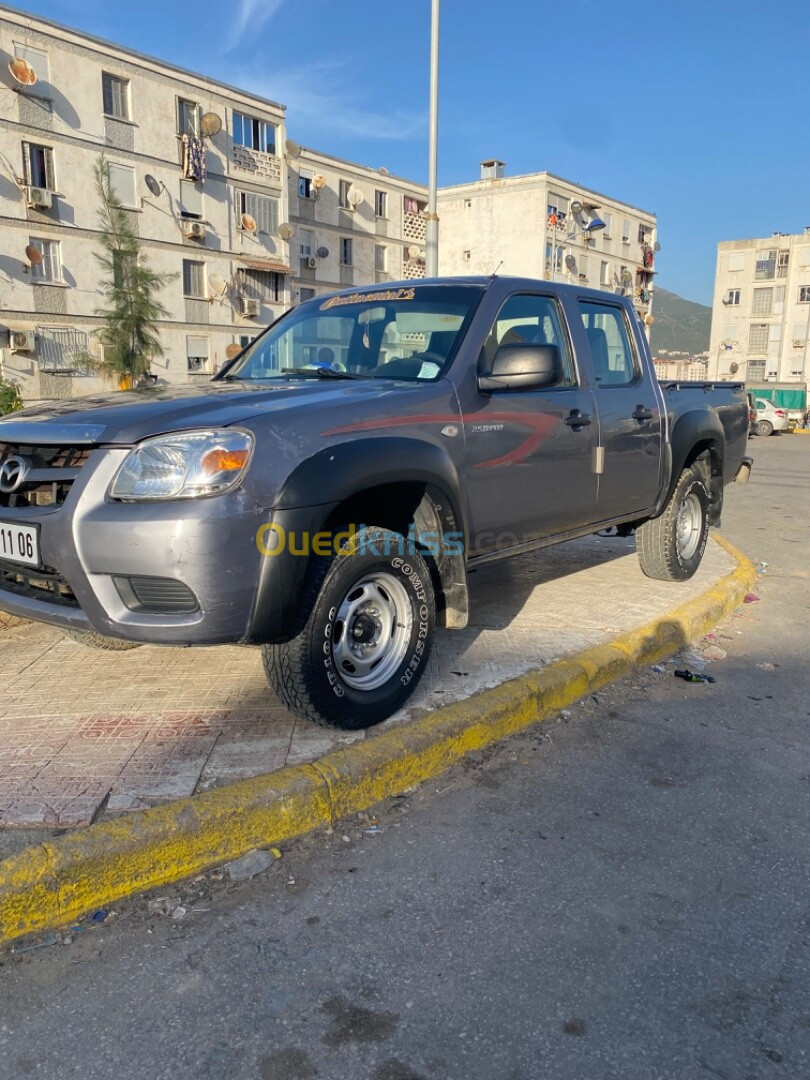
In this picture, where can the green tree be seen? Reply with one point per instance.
(10, 398)
(130, 287)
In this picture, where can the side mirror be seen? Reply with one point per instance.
(522, 367)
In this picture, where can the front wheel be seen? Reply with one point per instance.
(367, 638)
(670, 547)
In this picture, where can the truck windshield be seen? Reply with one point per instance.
(396, 333)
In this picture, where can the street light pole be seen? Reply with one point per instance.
(432, 224)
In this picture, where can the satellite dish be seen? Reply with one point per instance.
(292, 148)
(232, 350)
(383, 171)
(322, 252)
(576, 207)
(217, 283)
(414, 252)
(627, 277)
(210, 124)
(354, 196)
(22, 72)
(571, 263)
(649, 319)
(286, 231)
(656, 246)
(152, 184)
(318, 181)
(248, 223)
(33, 254)
(734, 368)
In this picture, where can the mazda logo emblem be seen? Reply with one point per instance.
(13, 473)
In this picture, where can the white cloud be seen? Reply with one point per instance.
(251, 16)
(321, 99)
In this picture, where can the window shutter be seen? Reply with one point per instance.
(190, 198)
(50, 180)
(197, 346)
(26, 150)
(122, 183)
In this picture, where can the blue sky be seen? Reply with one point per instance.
(694, 109)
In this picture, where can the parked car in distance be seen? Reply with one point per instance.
(768, 420)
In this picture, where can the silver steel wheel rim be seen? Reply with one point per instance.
(371, 631)
(689, 525)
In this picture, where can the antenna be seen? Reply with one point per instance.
(286, 231)
(322, 252)
(497, 268)
(354, 196)
(154, 185)
(318, 181)
(292, 147)
(571, 263)
(34, 255)
(232, 350)
(414, 251)
(210, 124)
(22, 72)
(248, 223)
(217, 283)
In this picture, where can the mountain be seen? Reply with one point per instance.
(680, 325)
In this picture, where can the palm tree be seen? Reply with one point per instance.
(132, 310)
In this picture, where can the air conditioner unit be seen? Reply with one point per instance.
(249, 307)
(37, 196)
(23, 341)
(311, 261)
(194, 230)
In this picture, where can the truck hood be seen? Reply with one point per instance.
(123, 418)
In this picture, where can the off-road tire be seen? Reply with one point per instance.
(92, 640)
(306, 672)
(659, 542)
(764, 427)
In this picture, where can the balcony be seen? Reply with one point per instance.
(413, 227)
(258, 164)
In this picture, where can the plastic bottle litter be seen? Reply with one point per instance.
(249, 865)
(694, 676)
(714, 652)
(99, 916)
(750, 598)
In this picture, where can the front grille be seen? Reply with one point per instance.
(157, 596)
(52, 472)
(45, 584)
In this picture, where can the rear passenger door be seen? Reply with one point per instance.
(629, 412)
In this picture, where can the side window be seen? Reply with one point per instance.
(534, 320)
(614, 363)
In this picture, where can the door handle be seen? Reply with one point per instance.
(577, 419)
(642, 414)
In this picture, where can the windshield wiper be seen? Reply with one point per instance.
(323, 373)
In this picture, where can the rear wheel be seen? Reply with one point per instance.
(366, 639)
(670, 547)
(764, 427)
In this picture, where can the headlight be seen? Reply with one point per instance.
(184, 466)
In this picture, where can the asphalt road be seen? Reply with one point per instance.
(620, 894)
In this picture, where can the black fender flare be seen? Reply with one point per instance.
(690, 430)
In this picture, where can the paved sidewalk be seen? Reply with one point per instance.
(84, 733)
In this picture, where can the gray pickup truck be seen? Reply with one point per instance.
(326, 493)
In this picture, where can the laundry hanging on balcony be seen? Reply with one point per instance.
(193, 158)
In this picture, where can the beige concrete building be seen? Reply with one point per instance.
(537, 226)
(197, 164)
(761, 311)
(354, 225)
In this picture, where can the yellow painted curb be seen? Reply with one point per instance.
(50, 885)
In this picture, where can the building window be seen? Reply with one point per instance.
(191, 199)
(410, 205)
(122, 183)
(604, 273)
(765, 268)
(50, 269)
(261, 208)
(758, 339)
(804, 294)
(38, 166)
(304, 186)
(345, 251)
(557, 211)
(38, 61)
(732, 298)
(644, 233)
(381, 204)
(625, 232)
(306, 238)
(188, 117)
(307, 294)
(467, 255)
(254, 133)
(197, 354)
(555, 252)
(762, 302)
(115, 93)
(343, 194)
(194, 279)
(380, 258)
(608, 229)
(262, 285)
(782, 264)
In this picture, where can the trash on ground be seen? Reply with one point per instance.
(99, 916)
(373, 831)
(275, 852)
(658, 669)
(768, 666)
(750, 598)
(249, 865)
(714, 652)
(694, 676)
(693, 659)
(52, 939)
(179, 913)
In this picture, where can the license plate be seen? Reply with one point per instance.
(19, 543)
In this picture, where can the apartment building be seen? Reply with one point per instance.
(354, 225)
(761, 311)
(542, 226)
(199, 167)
